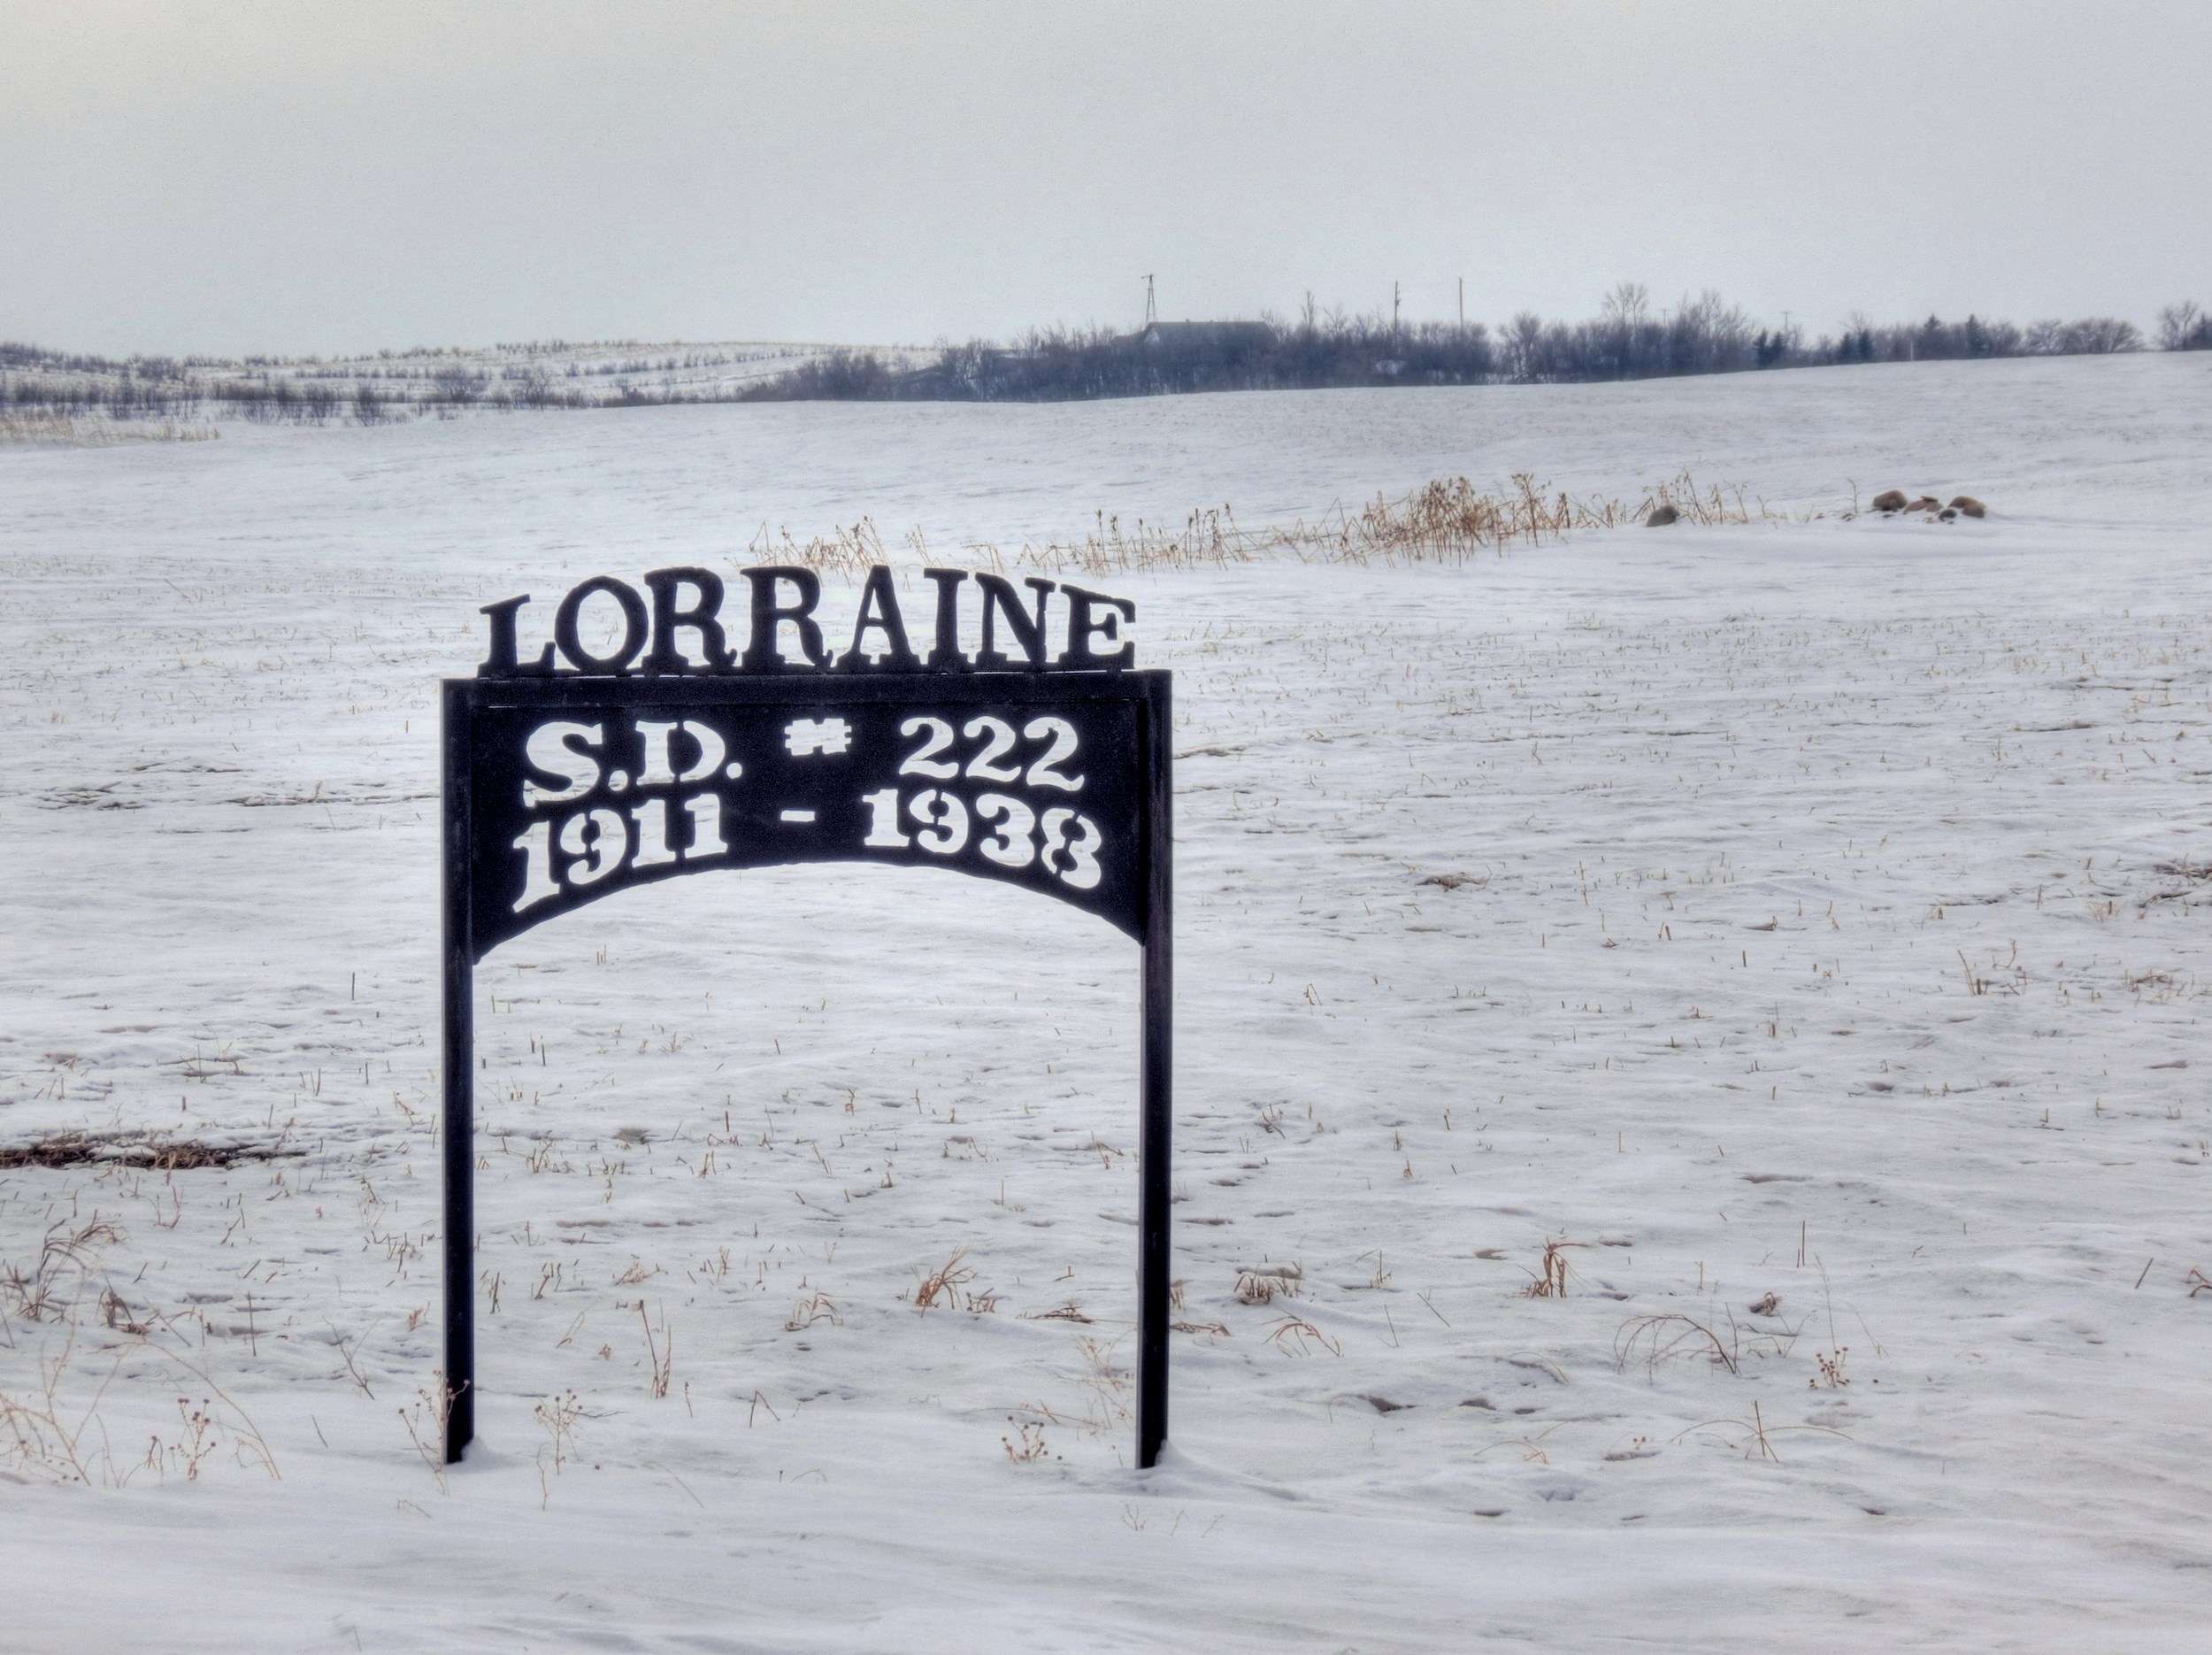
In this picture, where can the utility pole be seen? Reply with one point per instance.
(1463, 304)
(1393, 307)
(1151, 310)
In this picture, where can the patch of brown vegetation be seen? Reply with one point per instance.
(160, 1155)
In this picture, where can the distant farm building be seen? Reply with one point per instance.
(1227, 338)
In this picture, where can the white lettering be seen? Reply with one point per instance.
(1045, 772)
(944, 819)
(602, 838)
(548, 749)
(985, 765)
(883, 821)
(1010, 845)
(706, 826)
(538, 883)
(1082, 870)
(652, 833)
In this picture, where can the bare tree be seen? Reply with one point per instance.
(2184, 326)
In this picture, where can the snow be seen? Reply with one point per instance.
(1832, 926)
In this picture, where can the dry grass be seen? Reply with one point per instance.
(65, 1255)
(1549, 1279)
(1756, 1438)
(843, 551)
(1445, 521)
(1650, 1341)
(942, 1285)
(1294, 1335)
(151, 1154)
(1107, 1380)
(1069, 1311)
(1530, 1449)
(660, 1352)
(60, 431)
(558, 1416)
(1264, 1284)
(39, 1432)
(55, 1429)
(813, 1308)
(426, 1419)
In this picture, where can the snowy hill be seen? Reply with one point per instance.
(1800, 925)
(38, 385)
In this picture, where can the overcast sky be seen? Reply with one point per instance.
(299, 176)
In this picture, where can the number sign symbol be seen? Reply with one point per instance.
(806, 736)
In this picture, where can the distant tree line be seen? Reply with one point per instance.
(1626, 340)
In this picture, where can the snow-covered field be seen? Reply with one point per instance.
(1809, 915)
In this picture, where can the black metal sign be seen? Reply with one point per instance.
(572, 774)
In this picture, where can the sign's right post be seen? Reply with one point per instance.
(1155, 1191)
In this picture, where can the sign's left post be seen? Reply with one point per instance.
(458, 1123)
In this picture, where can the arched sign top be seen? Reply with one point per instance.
(577, 787)
(645, 742)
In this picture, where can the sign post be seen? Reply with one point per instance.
(574, 775)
